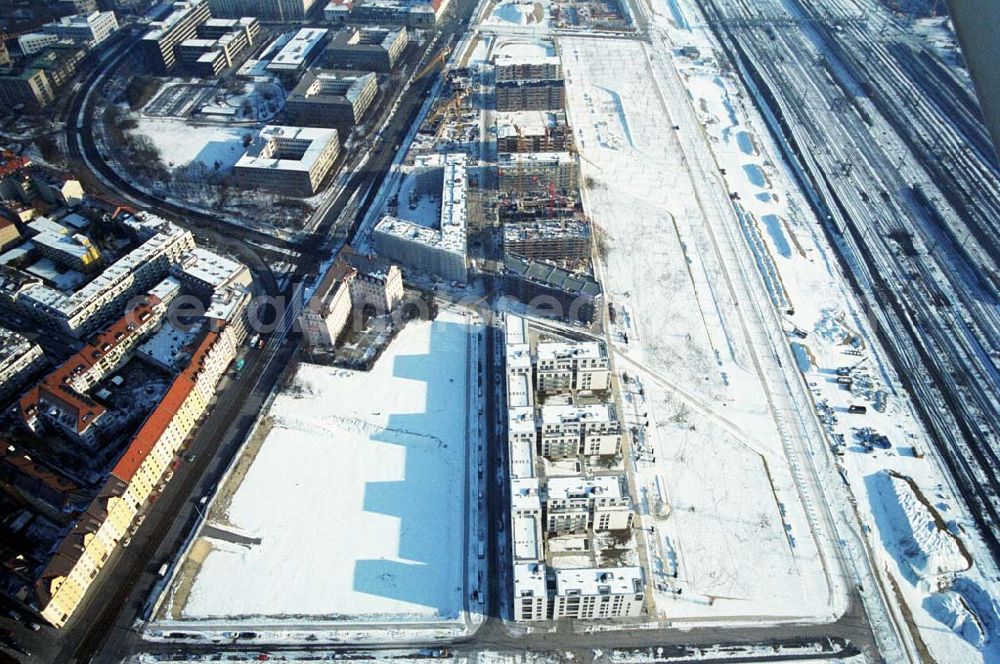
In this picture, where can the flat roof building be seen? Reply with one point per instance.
(442, 251)
(598, 593)
(331, 98)
(299, 52)
(368, 49)
(289, 160)
(161, 41)
(553, 290)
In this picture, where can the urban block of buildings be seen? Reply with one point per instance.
(22, 181)
(352, 282)
(366, 48)
(288, 160)
(441, 251)
(34, 83)
(551, 506)
(84, 311)
(78, 515)
(410, 13)
(330, 98)
(271, 10)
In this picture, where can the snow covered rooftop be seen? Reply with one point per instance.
(517, 330)
(167, 346)
(450, 235)
(603, 486)
(554, 350)
(522, 457)
(209, 268)
(329, 85)
(599, 581)
(572, 413)
(529, 580)
(519, 392)
(299, 49)
(524, 495)
(527, 543)
(12, 344)
(287, 148)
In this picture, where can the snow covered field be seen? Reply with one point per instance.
(730, 503)
(181, 143)
(356, 497)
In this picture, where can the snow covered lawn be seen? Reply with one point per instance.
(181, 143)
(357, 495)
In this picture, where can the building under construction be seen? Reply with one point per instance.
(538, 172)
(549, 239)
(533, 131)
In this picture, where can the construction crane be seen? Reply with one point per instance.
(434, 62)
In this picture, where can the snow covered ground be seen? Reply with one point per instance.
(355, 495)
(715, 459)
(921, 533)
(521, 13)
(181, 143)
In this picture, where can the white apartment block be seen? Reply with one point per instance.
(587, 594)
(441, 251)
(33, 42)
(564, 367)
(571, 430)
(18, 358)
(540, 507)
(599, 503)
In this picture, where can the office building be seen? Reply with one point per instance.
(161, 42)
(25, 87)
(90, 29)
(219, 44)
(366, 49)
(288, 160)
(328, 98)
(441, 251)
(298, 53)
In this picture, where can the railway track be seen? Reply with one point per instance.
(936, 318)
